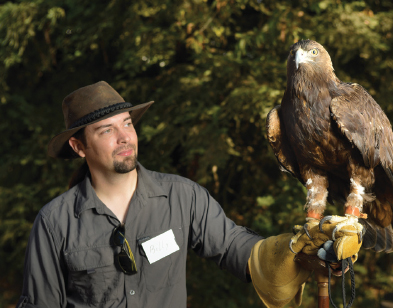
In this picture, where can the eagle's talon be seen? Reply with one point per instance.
(334, 233)
(290, 247)
(323, 221)
(305, 227)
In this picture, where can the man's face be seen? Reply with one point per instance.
(111, 144)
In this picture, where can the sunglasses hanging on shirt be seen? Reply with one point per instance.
(125, 258)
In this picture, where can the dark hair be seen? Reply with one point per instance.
(81, 136)
(80, 173)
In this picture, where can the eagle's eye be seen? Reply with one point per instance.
(314, 51)
(291, 52)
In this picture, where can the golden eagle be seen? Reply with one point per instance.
(336, 140)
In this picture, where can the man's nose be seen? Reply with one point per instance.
(123, 135)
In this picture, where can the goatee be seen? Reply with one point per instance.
(128, 164)
(125, 166)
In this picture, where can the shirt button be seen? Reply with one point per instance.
(132, 292)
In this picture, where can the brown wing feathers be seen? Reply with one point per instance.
(278, 140)
(362, 121)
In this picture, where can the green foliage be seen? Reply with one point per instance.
(215, 69)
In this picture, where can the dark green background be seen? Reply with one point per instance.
(215, 69)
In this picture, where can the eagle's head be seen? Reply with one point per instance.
(309, 55)
(307, 62)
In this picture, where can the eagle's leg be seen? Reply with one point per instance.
(361, 180)
(317, 185)
(353, 208)
(317, 192)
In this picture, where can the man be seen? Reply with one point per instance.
(119, 237)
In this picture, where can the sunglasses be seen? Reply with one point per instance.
(125, 258)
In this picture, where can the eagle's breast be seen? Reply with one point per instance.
(310, 128)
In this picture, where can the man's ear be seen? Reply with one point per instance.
(77, 146)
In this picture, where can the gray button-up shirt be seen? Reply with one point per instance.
(70, 258)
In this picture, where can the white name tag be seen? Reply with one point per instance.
(160, 246)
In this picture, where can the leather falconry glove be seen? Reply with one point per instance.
(277, 278)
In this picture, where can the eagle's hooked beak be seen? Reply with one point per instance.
(301, 57)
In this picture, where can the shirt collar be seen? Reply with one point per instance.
(148, 184)
(86, 197)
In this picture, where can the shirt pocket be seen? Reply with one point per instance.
(161, 273)
(93, 274)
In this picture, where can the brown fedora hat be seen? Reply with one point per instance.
(86, 106)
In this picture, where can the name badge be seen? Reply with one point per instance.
(160, 246)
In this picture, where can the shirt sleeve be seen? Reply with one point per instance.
(44, 283)
(215, 236)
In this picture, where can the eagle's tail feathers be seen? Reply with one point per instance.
(377, 238)
(370, 237)
(381, 240)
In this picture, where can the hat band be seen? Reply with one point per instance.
(90, 117)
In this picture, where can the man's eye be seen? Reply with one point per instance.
(129, 124)
(106, 131)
